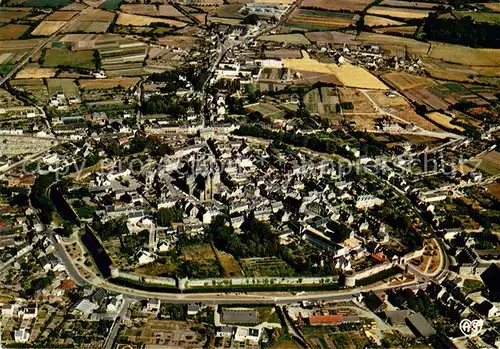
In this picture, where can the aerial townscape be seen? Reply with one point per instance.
(249, 174)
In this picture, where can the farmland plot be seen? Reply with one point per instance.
(312, 19)
(7, 16)
(410, 4)
(493, 6)
(18, 45)
(169, 11)
(404, 81)
(482, 17)
(389, 42)
(97, 15)
(103, 84)
(47, 3)
(87, 27)
(34, 71)
(75, 6)
(335, 5)
(376, 21)
(293, 39)
(406, 30)
(47, 28)
(443, 120)
(141, 21)
(61, 15)
(140, 9)
(332, 37)
(68, 86)
(77, 59)
(13, 31)
(402, 13)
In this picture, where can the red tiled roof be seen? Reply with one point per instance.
(324, 319)
(67, 284)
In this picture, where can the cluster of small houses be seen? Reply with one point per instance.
(206, 178)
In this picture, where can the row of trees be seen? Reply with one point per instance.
(463, 31)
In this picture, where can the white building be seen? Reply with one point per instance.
(432, 197)
(21, 335)
(244, 334)
(368, 201)
(30, 313)
(144, 257)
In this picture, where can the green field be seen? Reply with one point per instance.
(5, 69)
(268, 266)
(484, 17)
(111, 5)
(47, 3)
(77, 59)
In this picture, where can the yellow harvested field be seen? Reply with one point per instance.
(97, 15)
(493, 6)
(375, 21)
(95, 84)
(61, 16)
(142, 21)
(443, 120)
(354, 76)
(335, 5)
(47, 28)
(404, 13)
(348, 74)
(389, 42)
(404, 81)
(34, 71)
(465, 55)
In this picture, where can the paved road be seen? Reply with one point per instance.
(67, 261)
(113, 332)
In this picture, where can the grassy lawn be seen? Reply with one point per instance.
(471, 286)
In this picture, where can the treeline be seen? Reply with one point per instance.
(313, 142)
(464, 31)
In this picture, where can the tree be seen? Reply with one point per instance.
(166, 215)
